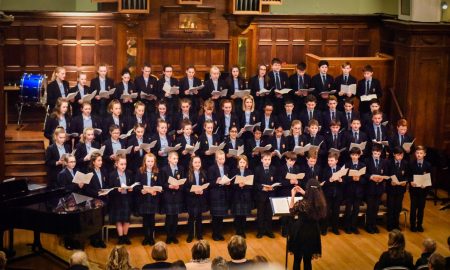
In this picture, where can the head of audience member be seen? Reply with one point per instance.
(159, 252)
(200, 251)
(429, 245)
(178, 265)
(436, 262)
(79, 261)
(237, 247)
(219, 263)
(3, 260)
(119, 259)
(396, 244)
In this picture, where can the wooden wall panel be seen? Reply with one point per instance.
(38, 42)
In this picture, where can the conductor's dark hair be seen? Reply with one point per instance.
(316, 206)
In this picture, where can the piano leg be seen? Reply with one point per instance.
(37, 245)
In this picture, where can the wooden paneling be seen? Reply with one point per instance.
(182, 54)
(38, 42)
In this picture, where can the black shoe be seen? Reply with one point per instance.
(145, 241)
(375, 229)
(413, 229)
(101, 244)
(323, 232)
(259, 235)
(126, 240)
(121, 240)
(348, 230)
(355, 230)
(335, 231)
(215, 238)
(68, 244)
(270, 235)
(174, 240)
(151, 241)
(169, 240)
(419, 228)
(284, 233)
(221, 238)
(199, 237)
(190, 238)
(370, 230)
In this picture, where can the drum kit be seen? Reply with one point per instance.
(32, 92)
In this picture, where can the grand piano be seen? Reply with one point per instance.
(46, 210)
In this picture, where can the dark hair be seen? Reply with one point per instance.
(167, 66)
(178, 265)
(275, 61)
(237, 247)
(368, 68)
(146, 65)
(311, 98)
(376, 147)
(374, 100)
(200, 250)
(349, 100)
(335, 123)
(289, 101)
(219, 263)
(301, 66)
(437, 261)
(291, 155)
(315, 200)
(125, 71)
(398, 150)
(355, 151)
(396, 244)
(323, 62)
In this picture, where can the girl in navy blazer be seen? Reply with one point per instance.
(247, 115)
(112, 144)
(185, 113)
(120, 199)
(83, 149)
(196, 202)
(137, 155)
(187, 138)
(57, 86)
(232, 142)
(83, 90)
(207, 139)
(207, 113)
(241, 198)
(114, 117)
(162, 142)
(54, 155)
(58, 118)
(86, 119)
(126, 86)
(148, 201)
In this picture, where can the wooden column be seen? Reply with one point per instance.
(421, 81)
(4, 23)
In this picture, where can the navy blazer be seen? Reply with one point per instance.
(157, 147)
(284, 79)
(286, 188)
(171, 196)
(77, 124)
(326, 120)
(375, 88)
(309, 173)
(373, 188)
(65, 180)
(355, 188)
(234, 121)
(304, 117)
(51, 157)
(339, 80)
(284, 121)
(402, 173)
(184, 85)
(95, 83)
(178, 120)
(80, 154)
(317, 84)
(76, 107)
(230, 84)
(293, 82)
(94, 186)
(131, 120)
(51, 124)
(331, 189)
(109, 121)
(160, 84)
(261, 178)
(53, 92)
(120, 89)
(201, 120)
(141, 87)
(205, 93)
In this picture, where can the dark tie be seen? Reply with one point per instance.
(376, 163)
(355, 166)
(290, 169)
(367, 87)
(398, 165)
(312, 170)
(289, 117)
(333, 170)
(266, 171)
(333, 116)
(334, 141)
(345, 79)
(378, 136)
(356, 137)
(313, 139)
(310, 115)
(324, 80)
(300, 82)
(420, 165)
(277, 80)
(175, 173)
(349, 117)
(402, 139)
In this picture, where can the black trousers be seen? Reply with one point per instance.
(240, 224)
(394, 207)
(217, 226)
(298, 256)
(286, 222)
(333, 208)
(264, 216)
(373, 205)
(351, 212)
(195, 225)
(149, 225)
(171, 225)
(418, 199)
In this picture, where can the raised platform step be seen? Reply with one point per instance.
(25, 162)
(24, 158)
(25, 174)
(24, 147)
(25, 168)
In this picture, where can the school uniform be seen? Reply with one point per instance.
(285, 191)
(234, 85)
(207, 160)
(247, 118)
(366, 119)
(395, 193)
(310, 172)
(154, 118)
(368, 87)
(264, 176)
(132, 120)
(108, 121)
(254, 161)
(377, 133)
(179, 117)
(285, 119)
(280, 145)
(53, 153)
(256, 84)
(196, 204)
(229, 144)
(374, 191)
(195, 99)
(211, 86)
(224, 124)
(82, 149)
(135, 158)
(79, 123)
(76, 107)
(349, 116)
(307, 115)
(172, 200)
(333, 192)
(241, 202)
(297, 82)
(65, 178)
(351, 136)
(201, 121)
(110, 148)
(55, 91)
(353, 196)
(316, 141)
(121, 88)
(171, 101)
(183, 141)
(328, 116)
(278, 81)
(98, 182)
(161, 144)
(148, 204)
(147, 86)
(119, 202)
(54, 122)
(219, 199)
(100, 106)
(417, 195)
(397, 140)
(270, 122)
(343, 80)
(322, 83)
(337, 141)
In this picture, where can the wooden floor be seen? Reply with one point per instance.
(339, 252)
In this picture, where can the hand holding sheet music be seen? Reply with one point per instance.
(245, 180)
(217, 94)
(82, 178)
(174, 182)
(422, 181)
(106, 93)
(236, 152)
(198, 188)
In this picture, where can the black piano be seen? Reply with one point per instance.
(46, 210)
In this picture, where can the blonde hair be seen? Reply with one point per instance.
(79, 258)
(57, 110)
(244, 99)
(85, 131)
(57, 71)
(119, 259)
(296, 122)
(58, 130)
(112, 103)
(214, 68)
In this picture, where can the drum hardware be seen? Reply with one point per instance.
(32, 92)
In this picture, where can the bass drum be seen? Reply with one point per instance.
(32, 88)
